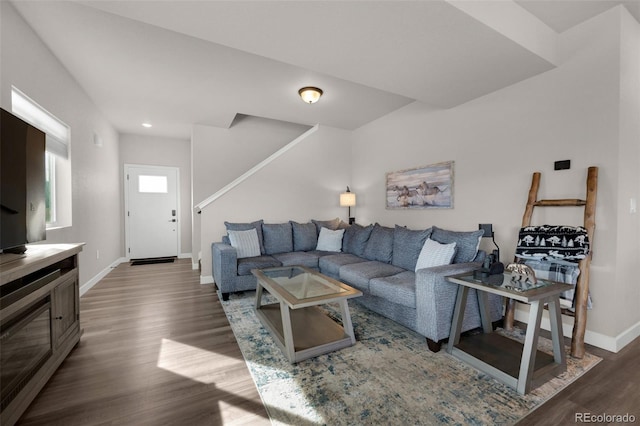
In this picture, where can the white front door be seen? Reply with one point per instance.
(151, 211)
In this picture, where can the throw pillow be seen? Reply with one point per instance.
(435, 254)
(329, 224)
(380, 244)
(246, 226)
(305, 237)
(245, 242)
(329, 240)
(407, 245)
(278, 238)
(467, 243)
(355, 239)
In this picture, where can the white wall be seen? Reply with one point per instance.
(497, 141)
(157, 151)
(219, 156)
(628, 247)
(29, 65)
(302, 184)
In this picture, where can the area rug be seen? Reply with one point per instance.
(388, 377)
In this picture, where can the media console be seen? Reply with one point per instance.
(39, 321)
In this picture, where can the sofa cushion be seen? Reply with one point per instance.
(330, 265)
(305, 237)
(260, 262)
(321, 253)
(407, 245)
(244, 226)
(307, 259)
(329, 240)
(467, 243)
(380, 244)
(245, 242)
(355, 239)
(329, 224)
(278, 237)
(435, 254)
(359, 274)
(399, 288)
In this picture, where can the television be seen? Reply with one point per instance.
(22, 184)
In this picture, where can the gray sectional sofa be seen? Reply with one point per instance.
(378, 260)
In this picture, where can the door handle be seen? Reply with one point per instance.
(172, 220)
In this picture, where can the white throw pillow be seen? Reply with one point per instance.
(246, 243)
(329, 240)
(434, 253)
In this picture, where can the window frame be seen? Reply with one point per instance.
(57, 157)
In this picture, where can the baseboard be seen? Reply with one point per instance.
(629, 335)
(184, 256)
(609, 343)
(93, 281)
(206, 279)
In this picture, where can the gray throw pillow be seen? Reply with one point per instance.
(467, 243)
(305, 237)
(355, 239)
(407, 245)
(329, 224)
(380, 244)
(278, 238)
(246, 226)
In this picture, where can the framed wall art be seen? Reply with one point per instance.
(428, 187)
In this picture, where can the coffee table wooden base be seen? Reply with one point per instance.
(299, 327)
(304, 333)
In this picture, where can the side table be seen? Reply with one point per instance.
(518, 365)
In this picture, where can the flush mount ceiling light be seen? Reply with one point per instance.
(310, 94)
(147, 125)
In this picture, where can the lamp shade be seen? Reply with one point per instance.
(310, 95)
(347, 199)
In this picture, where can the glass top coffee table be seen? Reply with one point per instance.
(300, 329)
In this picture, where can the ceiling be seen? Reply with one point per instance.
(176, 63)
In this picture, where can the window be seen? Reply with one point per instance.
(57, 158)
(152, 184)
(50, 187)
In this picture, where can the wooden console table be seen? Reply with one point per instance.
(520, 366)
(40, 320)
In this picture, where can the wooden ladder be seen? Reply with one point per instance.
(582, 286)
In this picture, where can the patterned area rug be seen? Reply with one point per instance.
(388, 377)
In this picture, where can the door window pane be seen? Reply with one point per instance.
(152, 184)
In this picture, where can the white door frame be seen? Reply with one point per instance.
(127, 221)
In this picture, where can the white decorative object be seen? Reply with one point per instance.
(329, 240)
(521, 273)
(434, 253)
(246, 243)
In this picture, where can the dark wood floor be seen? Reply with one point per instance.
(157, 349)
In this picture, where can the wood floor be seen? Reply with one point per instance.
(157, 349)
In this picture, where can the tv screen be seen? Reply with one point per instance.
(22, 183)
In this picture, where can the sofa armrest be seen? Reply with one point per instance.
(225, 266)
(436, 299)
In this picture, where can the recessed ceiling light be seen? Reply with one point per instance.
(146, 125)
